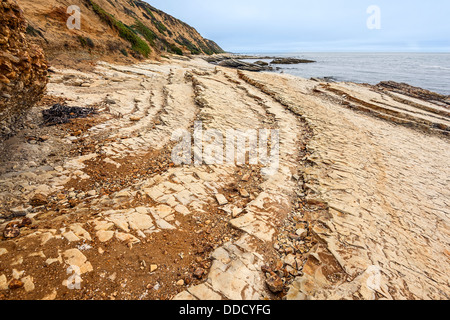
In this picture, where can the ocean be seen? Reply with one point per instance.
(425, 70)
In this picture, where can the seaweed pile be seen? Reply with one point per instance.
(60, 114)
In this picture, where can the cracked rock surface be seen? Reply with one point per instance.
(357, 207)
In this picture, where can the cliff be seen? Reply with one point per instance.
(23, 68)
(116, 29)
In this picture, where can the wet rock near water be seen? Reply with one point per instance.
(414, 92)
(237, 64)
(258, 66)
(291, 61)
(324, 79)
(216, 58)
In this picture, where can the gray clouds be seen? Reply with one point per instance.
(321, 25)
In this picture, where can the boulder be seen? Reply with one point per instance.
(216, 58)
(241, 65)
(23, 68)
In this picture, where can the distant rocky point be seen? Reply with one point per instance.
(235, 61)
(291, 61)
(415, 92)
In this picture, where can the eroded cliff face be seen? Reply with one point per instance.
(116, 31)
(23, 68)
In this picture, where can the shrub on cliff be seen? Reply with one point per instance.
(148, 34)
(125, 32)
(86, 42)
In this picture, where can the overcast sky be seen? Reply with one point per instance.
(247, 26)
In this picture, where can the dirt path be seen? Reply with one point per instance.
(353, 201)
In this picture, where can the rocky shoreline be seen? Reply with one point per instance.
(235, 61)
(101, 194)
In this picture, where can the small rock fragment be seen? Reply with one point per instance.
(301, 233)
(20, 211)
(70, 236)
(274, 283)
(199, 273)
(127, 238)
(244, 193)
(266, 269)
(180, 282)
(236, 212)
(92, 193)
(28, 284)
(74, 257)
(11, 232)
(221, 199)
(25, 223)
(39, 200)
(51, 296)
(105, 236)
(17, 274)
(3, 283)
(15, 284)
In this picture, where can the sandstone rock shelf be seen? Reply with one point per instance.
(358, 208)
